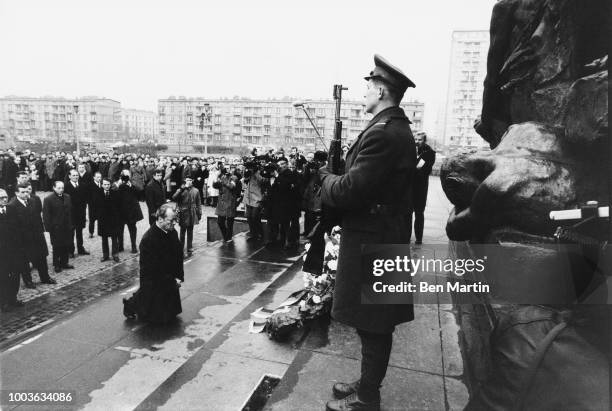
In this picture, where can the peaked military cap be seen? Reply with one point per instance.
(389, 74)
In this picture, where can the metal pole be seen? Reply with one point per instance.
(313, 126)
(76, 135)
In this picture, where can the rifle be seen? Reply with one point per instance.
(326, 217)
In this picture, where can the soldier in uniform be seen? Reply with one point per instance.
(374, 195)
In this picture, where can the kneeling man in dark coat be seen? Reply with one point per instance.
(161, 268)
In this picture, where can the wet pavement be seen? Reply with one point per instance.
(207, 360)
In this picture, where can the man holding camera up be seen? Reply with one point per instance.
(253, 195)
(189, 206)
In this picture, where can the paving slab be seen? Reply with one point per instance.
(308, 381)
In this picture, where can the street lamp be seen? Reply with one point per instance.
(205, 115)
(76, 135)
(302, 105)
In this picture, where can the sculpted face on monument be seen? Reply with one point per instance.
(545, 110)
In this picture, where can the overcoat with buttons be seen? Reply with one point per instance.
(379, 169)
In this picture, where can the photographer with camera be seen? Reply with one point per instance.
(311, 204)
(229, 188)
(253, 195)
(213, 174)
(189, 207)
(284, 206)
(129, 208)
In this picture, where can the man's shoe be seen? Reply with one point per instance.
(17, 303)
(352, 403)
(67, 267)
(418, 242)
(49, 281)
(343, 389)
(57, 269)
(71, 255)
(128, 311)
(83, 252)
(105, 258)
(91, 235)
(30, 284)
(134, 250)
(251, 239)
(116, 258)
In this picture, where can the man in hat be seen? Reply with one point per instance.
(374, 195)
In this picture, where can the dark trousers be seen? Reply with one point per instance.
(9, 286)
(92, 220)
(226, 225)
(60, 255)
(419, 224)
(212, 201)
(40, 264)
(189, 231)
(253, 215)
(293, 232)
(309, 221)
(375, 352)
(419, 201)
(114, 244)
(132, 230)
(77, 234)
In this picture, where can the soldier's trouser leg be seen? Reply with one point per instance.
(375, 352)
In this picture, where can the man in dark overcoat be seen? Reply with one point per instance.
(107, 205)
(426, 157)
(57, 216)
(39, 260)
(94, 190)
(130, 209)
(9, 279)
(188, 203)
(79, 194)
(30, 244)
(154, 194)
(374, 197)
(284, 199)
(161, 268)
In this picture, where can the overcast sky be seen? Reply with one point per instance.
(139, 51)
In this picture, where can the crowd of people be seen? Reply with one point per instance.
(107, 188)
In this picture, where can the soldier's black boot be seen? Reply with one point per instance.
(343, 389)
(353, 403)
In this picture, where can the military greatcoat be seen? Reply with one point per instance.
(379, 169)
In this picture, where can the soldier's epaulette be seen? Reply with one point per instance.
(383, 124)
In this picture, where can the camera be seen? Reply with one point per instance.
(125, 178)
